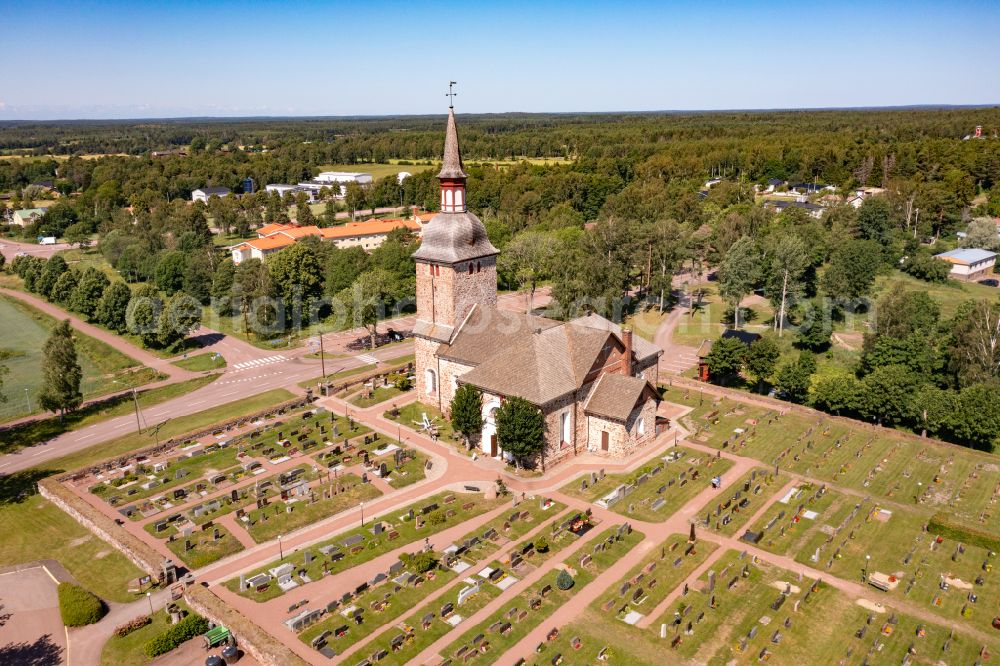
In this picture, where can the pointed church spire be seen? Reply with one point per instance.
(452, 166)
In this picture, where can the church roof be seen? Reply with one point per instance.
(453, 237)
(641, 347)
(531, 357)
(615, 396)
(452, 165)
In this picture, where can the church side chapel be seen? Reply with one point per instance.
(593, 381)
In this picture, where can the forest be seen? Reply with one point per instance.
(624, 204)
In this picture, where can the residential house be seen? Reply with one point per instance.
(969, 264)
(259, 248)
(203, 194)
(26, 216)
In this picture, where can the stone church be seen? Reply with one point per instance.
(593, 381)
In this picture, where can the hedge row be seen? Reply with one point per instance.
(191, 626)
(942, 525)
(123, 630)
(79, 607)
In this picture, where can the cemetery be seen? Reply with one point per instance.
(728, 512)
(856, 538)
(470, 586)
(204, 545)
(963, 483)
(655, 491)
(382, 533)
(487, 641)
(426, 420)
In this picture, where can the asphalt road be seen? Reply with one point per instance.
(11, 249)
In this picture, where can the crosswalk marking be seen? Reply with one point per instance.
(257, 362)
(367, 358)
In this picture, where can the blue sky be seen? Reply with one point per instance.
(77, 59)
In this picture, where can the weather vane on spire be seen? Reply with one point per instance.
(451, 95)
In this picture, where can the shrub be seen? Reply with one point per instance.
(422, 561)
(437, 518)
(79, 607)
(191, 626)
(123, 630)
(401, 381)
(542, 544)
(564, 581)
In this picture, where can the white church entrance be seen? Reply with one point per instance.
(489, 435)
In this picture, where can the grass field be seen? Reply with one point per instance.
(33, 432)
(365, 399)
(410, 416)
(205, 548)
(128, 651)
(23, 331)
(202, 362)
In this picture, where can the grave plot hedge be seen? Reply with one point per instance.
(191, 626)
(943, 525)
(564, 581)
(79, 607)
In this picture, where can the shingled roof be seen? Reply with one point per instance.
(454, 237)
(641, 347)
(615, 396)
(452, 165)
(531, 357)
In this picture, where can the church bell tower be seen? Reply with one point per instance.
(456, 270)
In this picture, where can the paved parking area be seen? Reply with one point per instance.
(31, 631)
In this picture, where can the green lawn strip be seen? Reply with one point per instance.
(381, 394)
(305, 512)
(171, 428)
(206, 549)
(128, 650)
(371, 546)
(201, 362)
(311, 383)
(409, 472)
(405, 599)
(23, 330)
(500, 644)
(411, 416)
(754, 488)
(214, 459)
(677, 491)
(34, 529)
(33, 432)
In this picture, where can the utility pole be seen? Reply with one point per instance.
(138, 423)
(27, 399)
(322, 355)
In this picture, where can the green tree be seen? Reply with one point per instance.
(65, 286)
(738, 274)
(527, 259)
(852, 270)
(304, 215)
(886, 395)
(875, 220)
(836, 394)
(795, 378)
(295, 273)
(53, 269)
(976, 421)
(467, 412)
(725, 359)
(982, 233)
(935, 410)
(142, 316)
(78, 234)
(368, 299)
(521, 430)
(761, 360)
(253, 291)
(61, 372)
(343, 267)
(170, 270)
(329, 216)
(88, 292)
(815, 330)
(112, 306)
(222, 287)
(181, 314)
(784, 283)
(975, 342)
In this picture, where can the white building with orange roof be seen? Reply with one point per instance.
(259, 248)
(367, 235)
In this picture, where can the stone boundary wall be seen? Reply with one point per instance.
(782, 406)
(180, 439)
(253, 640)
(360, 378)
(104, 528)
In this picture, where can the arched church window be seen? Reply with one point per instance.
(430, 379)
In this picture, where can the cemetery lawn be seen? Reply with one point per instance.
(409, 472)
(767, 483)
(34, 528)
(200, 362)
(499, 644)
(645, 494)
(206, 550)
(195, 466)
(369, 546)
(438, 628)
(411, 416)
(32, 432)
(901, 468)
(172, 428)
(381, 394)
(305, 513)
(128, 651)
(23, 331)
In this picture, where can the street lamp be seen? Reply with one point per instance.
(281, 553)
(868, 560)
(149, 598)
(362, 505)
(27, 399)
